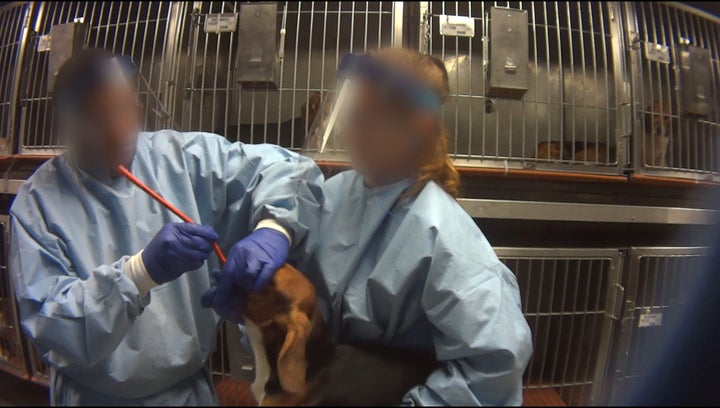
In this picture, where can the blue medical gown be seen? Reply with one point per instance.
(419, 273)
(72, 234)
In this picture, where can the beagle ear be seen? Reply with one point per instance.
(291, 363)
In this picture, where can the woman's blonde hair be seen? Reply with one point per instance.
(434, 164)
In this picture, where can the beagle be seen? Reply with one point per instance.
(296, 362)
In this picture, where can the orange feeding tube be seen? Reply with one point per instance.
(157, 197)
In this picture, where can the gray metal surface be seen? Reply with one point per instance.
(64, 40)
(657, 283)
(258, 62)
(508, 53)
(695, 81)
(558, 211)
(568, 299)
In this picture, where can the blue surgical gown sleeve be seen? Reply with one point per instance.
(83, 320)
(472, 301)
(264, 180)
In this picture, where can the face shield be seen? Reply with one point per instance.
(372, 107)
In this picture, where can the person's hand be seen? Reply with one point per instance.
(176, 249)
(230, 309)
(251, 264)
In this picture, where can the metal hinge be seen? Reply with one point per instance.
(615, 307)
(625, 116)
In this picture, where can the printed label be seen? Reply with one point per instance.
(457, 26)
(220, 23)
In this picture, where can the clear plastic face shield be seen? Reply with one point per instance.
(371, 117)
(99, 112)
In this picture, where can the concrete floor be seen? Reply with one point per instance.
(15, 391)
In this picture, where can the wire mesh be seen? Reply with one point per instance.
(137, 29)
(12, 20)
(317, 35)
(564, 299)
(658, 283)
(12, 355)
(671, 140)
(568, 113)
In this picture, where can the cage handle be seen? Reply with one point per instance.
(281, 50)
(618, 302)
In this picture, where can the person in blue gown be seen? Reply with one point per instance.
(108, 281)
(396, 260)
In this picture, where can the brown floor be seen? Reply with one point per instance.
(19, 392)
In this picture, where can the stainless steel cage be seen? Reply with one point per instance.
(675, 63)
(13, 35)
(569, 297)
(569, 113)
(316, 35)
(656, 284)
(140, 30)
(12, 350)
(585, 107)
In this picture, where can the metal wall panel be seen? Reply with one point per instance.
(138, 29)
(571, 101)
(569, 298)
(669, 141)
(656, 284)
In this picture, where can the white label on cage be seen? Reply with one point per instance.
(657, 52)
(648, 319)
(457, 26)
(220, 23)
(43, 43)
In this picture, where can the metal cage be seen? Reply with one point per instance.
(568, 114)
(569, 297)
(138, 29)
(675, 63)
(12, 350)
(656, 284)
(609, 85)
(316, 35)
(13, 35)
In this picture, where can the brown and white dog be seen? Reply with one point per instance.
(297, 364)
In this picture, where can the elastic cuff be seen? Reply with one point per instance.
(272, 224)
(134, 269)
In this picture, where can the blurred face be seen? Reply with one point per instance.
(107, 128)
(384, 134)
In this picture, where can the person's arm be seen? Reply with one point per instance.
(479, 331)
(83, 320)
(278, 188)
